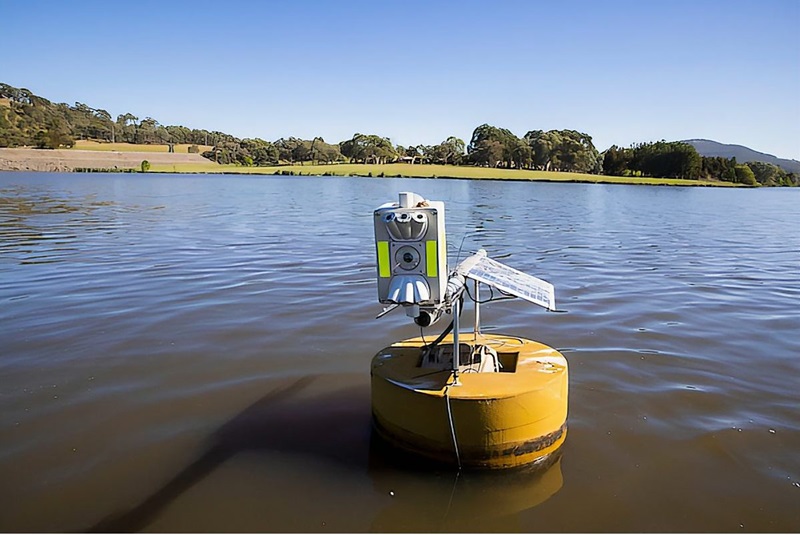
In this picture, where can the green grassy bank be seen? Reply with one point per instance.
(428, 171)
(405, 170)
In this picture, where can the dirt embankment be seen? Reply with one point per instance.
(69, 160)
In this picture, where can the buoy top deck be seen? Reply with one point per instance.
(524, 363)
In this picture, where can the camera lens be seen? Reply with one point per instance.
(407, 257)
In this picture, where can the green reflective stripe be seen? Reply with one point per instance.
(384, 266)
(431, 259)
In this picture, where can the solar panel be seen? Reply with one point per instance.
(512, 281)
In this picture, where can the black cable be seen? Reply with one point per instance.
(439, 338)
(458, 256)
(426, 349)
(475, 300)
(503, 297)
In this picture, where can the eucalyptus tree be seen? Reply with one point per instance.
(321, 151)
(563, 150)
(745, 175)
(368, 148)
(672, 159)
(181, 134)
(491, 146)
(768, 174)
(293, 149)
(617, 160)
(127, 126)
(422, 153)
(148, 131)
(449, 151)
(259, 151)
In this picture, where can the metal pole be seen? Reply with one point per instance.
(456, 351)
(477, 328)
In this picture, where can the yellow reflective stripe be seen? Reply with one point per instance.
(432, 264)
(384, 266)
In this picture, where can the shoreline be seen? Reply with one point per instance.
(76, 160)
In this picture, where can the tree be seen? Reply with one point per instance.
(563, 150)
(768, 174)
(102, 127)
(487, 153)
(147, 131)
(292, 149)
(412, 153)
(321, 151)
(368, 148)
(495, 147)
(181, 134)
(544, 145)
(667, 159)
(616, 161)
(449, 151)
(745, 175)
(259, 152)
(53, 136)
(521, 154)
(127, 127)
(717, 168)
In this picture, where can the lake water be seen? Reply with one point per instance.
(191, 353)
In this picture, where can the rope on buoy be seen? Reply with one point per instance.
(452, 427)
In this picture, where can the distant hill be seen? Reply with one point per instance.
(706, 147)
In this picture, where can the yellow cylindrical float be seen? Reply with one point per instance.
(513, 416)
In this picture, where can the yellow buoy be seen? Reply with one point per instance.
(497, 402)
(506, 406)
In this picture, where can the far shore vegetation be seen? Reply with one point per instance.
(28, 120)
(407, 170)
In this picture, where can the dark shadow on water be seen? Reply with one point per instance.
(335, 426)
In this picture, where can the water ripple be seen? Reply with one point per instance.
(140, 314)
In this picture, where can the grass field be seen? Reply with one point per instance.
(129, 147)
(386, 170)
(427, 171)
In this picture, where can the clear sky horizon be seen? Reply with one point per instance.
(418, 72)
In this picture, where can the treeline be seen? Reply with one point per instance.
(33, 121)
(681, 160)
(361, 148)
(28, 120)
(556, 150)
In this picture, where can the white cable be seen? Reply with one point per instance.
(452, 428)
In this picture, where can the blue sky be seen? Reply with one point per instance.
(419, 71)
